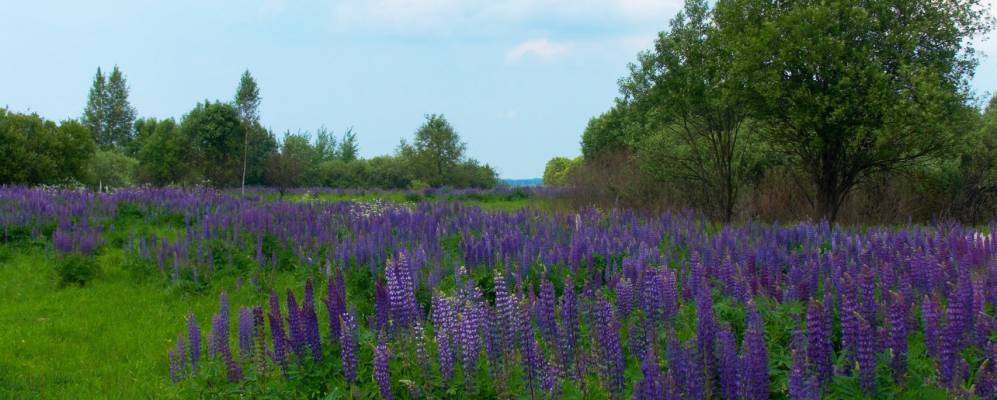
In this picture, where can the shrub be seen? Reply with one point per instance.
(76, 269)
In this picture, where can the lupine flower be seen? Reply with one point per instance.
(280, 344)
(649, 387)
(569, 325)
(401, 292)
(382, 307)
(469, 343)
(545, 310)
(193, 342)
(932, 328)
(420, 348)
(611, 352)
(295, 326)
(177, 360)
(260, 338)
(727, 362)
(819, 342)
(443, 319)
(310, 322)
(678, 363)
(246, 331)
(348, 341)
(754, 366)
(696, 385)
(866, 355)
(335, 302)
(705, 333)
(898, 336)
(381, 373)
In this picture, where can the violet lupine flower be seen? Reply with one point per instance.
(506, 307)
(310, 322)
(280, 344)
(678, 363)
(849, 325)
(649, 387)
(799, 388)
(611, 351)
(295, 327)
(532, 360)
(401, 292)
(754, 365)
(335, 302)
(348, 340)
(194, 342)
(637, 340)
(727, 362)
(217, 344)
(898, 336)
(260, 338)
(986, 376)
(866, 355)
(381, 373)
(382, 307)
(819, 342)
(545, 310)
(443, 319)
(695, 384)
(705, 335)
(624, 297)
(569, 325)
(246, 330)
(422, 355)
(932, 329)
(469, 343)
(178, 360)
(234, 372)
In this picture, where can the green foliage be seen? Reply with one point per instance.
(436, 150)
(348, 148)
(108, 114)
(558, 170)
(76, 269)
(37, 151)
(214, 131)
(162, 151)
(111, 168)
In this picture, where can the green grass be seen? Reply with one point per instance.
(108, 339)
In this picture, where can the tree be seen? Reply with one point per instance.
(119, 113)
(36, 151)
(686, 94)
(162, 152)
(247, 101)
(348, 148)
(853, 88)
(325, 144)
(111, 168)
(558, 169)
(93, 115)
(437, 150)
(212, 131)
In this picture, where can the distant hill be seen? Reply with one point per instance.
(523, 182)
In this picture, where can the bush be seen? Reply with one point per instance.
(76, 269)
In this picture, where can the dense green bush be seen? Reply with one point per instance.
(76, 269)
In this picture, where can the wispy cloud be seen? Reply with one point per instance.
(541, 49)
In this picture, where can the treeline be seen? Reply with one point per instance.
(855, 111)
(218, 144)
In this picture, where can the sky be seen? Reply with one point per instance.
(518, 79)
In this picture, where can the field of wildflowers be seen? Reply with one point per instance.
(445, 299)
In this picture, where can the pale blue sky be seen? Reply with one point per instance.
(519, 79)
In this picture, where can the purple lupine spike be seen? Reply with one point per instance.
(260, 339)
(381, 373)
(335, 302)
(506, 308)
(295, 326)
(898, 336)
(678, 363)
(193, 342)
(443, 320)
(348, 341)
(819, 342)
(696, 385)
(217, 341)
(705, 334)
(986, 377)
(932, 329)
(624, 297)
(469, 343)
(866, 355)
(798, 389)
(422, 355)
(754, 366)
(727, 362)
(545, 310)
(246, 330)
(569, 325)
(611, 352)
(649, 387)
(401, 292)
(531, 359)
(849, 325)
(234, 372)
(638, 342)
(310, 322)
(280, 344)
(382, 307)
(178, 361)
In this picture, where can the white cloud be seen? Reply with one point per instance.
(542, 49)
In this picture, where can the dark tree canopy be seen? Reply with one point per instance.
(214, 132)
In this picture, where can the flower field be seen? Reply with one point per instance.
(308, 298)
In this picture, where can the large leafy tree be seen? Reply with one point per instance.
(851, 88)
(37, 151)
(349, 150)
(214, 132)
(162, 152)
(437, 149)
(685, 94)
